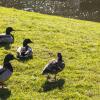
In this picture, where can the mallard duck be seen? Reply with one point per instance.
(7, 37)
(6, 69)
(25, 51)
(54, 66)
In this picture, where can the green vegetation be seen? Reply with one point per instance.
(79, 42)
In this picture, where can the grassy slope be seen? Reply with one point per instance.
(79, 42)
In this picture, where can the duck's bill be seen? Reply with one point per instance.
(18, 30)
(13, 30)
(31, 42)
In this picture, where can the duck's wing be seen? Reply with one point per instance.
(6, 38)
(2, 35)
(51, 67)
(21, 49)
(2, 38)
(18, 51)
(1, 70)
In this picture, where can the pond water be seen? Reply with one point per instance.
(81, 9)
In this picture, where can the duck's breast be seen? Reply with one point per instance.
(29, 51)
(4, 76)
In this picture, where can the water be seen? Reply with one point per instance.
(81, 9)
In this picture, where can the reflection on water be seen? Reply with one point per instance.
(82, 9)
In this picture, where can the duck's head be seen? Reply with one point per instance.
(8, 30)
(59, 55)
(8, 58)
(26, 41)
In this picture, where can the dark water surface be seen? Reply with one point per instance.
(80, 9)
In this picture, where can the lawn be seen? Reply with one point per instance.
(77, 40)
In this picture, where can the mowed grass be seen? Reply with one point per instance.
(79, 43)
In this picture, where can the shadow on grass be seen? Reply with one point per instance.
(6, 46)
(4, 93)
(47, 86)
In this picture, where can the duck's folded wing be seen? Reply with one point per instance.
(5, 38)
(50, 67)
(19, 49)
(2, 35)
(1, 70)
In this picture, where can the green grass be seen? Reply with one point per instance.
(79, 42)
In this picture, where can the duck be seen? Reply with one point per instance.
(6, 69)
(7, 37)
(53, 67)
(25, 51)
